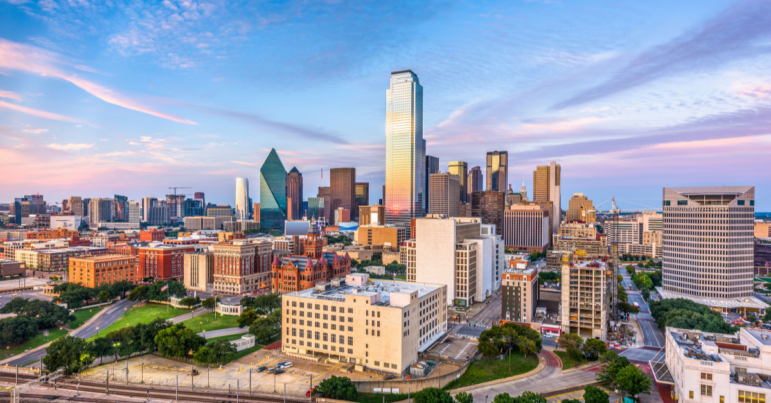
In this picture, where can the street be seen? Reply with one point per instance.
(653, 337)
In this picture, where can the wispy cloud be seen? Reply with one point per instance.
(251, 164)
(35, 131)
(17, 56)
(10, 95)
(35, 112)
(69, 147)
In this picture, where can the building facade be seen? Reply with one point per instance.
(342, 185)
(445, 194)
(101, 209)
(585, 299)
(474, 183)
(75, 206)
(90, 271)
(163, 262)
(526, 228)
(241, 266)
(489, 206)
(519, 294)
(362, 196)
(272, 192)
(497, 171)
(460, 169)
(294, 195)
(242, 199)
(580, 208)
(432, 167)
(297, 273)
(372, 215)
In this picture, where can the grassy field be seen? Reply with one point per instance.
(227, 338)
(568, 362)
(83, 315)
(36, 341)
(142, 314)
(401, 277)
(484, 371)
(210, 323)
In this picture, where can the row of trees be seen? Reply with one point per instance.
(262, 303)
(685, 314)
(620, 374)
(32, 316)
(623, 301)
(578, 349)
(549, 276)
(75, 294)
(262, 327)
(500, 338)
(153, 291)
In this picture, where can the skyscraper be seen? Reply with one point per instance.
(342, 188)
(432, 167)
(315, 208)
(362, 196)
(475, 182)
(242, 199)
(708, 246)
(497, 171)
(272, 192)
(580, 209)
(460, 169)
(101, 209)
(546, 187)
(76, 205)
(147, 204)
(133, 211)
(294, 195)
(445, 194)
(489, 206)
(405, 152)
(121, 208)
(200, 196)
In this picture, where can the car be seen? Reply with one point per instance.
(278, 371)
(195, 372)
(272, 370)
(280, 364)
(309, 392)
(260, 369)
(286, 365)
(389, 377)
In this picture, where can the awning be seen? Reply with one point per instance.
(661, 373)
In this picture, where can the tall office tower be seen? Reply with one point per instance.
(580, 208)
(342, 188)
(432, 167)
(256, 212)
(133, 211)
(460, 169)
(272, 192)
(193, 208)
(242, 199)
(708, 246)
(405, 151)
(362, 196)
(294, 195)
(489, 205)
(315, 208)
(176, 205)
(65, 206)
(158, 215)
(523, 191)
(101, 209)
(526, 227)
(200, 196)
(444, 194)
(497, 171)
(325, 194)
(384, 193)
(147, 204)
(76, 205)
(121, 208)
(546, 187)
(86, 203)
(475, 182)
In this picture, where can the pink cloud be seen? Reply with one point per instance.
(35, 112)
(10, 95)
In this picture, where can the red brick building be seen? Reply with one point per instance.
(153, 235)
(53, 234)
(297, 273)
(163, 262)
(183, 241)
(241, 266)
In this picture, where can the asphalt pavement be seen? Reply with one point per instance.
(652, 336)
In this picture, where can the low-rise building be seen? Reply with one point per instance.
(90, 271)
(240, 225)
(241, 266)
(595, 246)
(203, 222)
(11, 268)
(554, 259)
(199, 271)
(152, 235)
(376, 324)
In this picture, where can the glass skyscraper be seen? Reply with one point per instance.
(242, 199)
(405, 149)
(272, 192)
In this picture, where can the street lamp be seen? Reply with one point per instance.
(97, 331)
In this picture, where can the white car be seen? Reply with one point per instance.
(286, 365)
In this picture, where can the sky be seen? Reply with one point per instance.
(131, 97)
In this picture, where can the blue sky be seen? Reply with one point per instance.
(132, 97)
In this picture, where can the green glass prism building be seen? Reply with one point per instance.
(272, 192)
(405, 149)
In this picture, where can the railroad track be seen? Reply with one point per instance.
(193, 396)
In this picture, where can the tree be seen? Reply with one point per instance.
(613, 365)
(17, 330)
(138, 293)
(646, 293)
(177, 341)
(633, 381)
(103, 296)
(630, 269)
(594, 348)
(209, 303)
(526, 346)
(628, 308)
(751, 318)
(530, 397)
(338, 387)
(570, 401)
(189, 302)
(263, 329)
(463, 397)
(504, 398)
(767, 315)
(572, 343)
(593, 394)
(247, 318)
(432, 395)
(67, 352)
(686, 314)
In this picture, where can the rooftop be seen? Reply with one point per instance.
(746, 302)
(382, 287)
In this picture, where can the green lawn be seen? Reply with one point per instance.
(142, 314)
(83, 315)
(228, 338)
(210, 323)
(484, 371)
(401, 277)
(568, 362)
(36, 341)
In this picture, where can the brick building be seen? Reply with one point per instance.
(91, 271)
(152, 235)
(163, 262)
(241, 266)
(297, 273)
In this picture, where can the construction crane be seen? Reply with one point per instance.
(176, 204)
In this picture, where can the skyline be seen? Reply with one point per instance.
(628, 99)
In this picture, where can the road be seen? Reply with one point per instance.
(106, 319)
(482, 320)
(653, 337)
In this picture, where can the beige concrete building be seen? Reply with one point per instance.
(198, 223)
(625, 231)
(372, 215)
(580, 208)
(445, 194)
(593, 246)
(652, 237)
(526, 227)
(577, 230)
(586, 288)
(240, 225)
(408, 257)
(376, 325)
(242, 267)
(546, 188)
(378, 235)
(519, 294)
(763, 230)
(199, 271)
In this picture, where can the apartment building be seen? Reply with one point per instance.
(519, 293)
(626, 231)
(90, 271)
(445, 194)
(52, 234)
(762, 249)
(762, 230)
(163, 262)
(198, 223)
(580, 208)
(576, 229)
(717, 368)
(585, 299)
(199, 271)
(375, 324)
(596, 247)
(526, 228)
(408, 257)
(554, 259)
(152, 235)
(241, 266)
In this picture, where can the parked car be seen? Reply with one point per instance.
(389, 377)
(260, 369)
(309, 392)
(279, 364)
(272, 370)
(286, 365)
(195, 372)
(278, 371)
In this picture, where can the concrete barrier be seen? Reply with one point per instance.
(413, 385)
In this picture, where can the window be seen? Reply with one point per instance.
(666, 202)
(751, 397)
(690, 394)
(350, 310)
(682, 203)
(722, 399)
(706, 376)
(350, 329)
(350, 351)
(706, 390)
(740, 202)
(350, 319)
(350, 343)
(317, 335)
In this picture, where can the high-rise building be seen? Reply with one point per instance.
(444, 194)
(242, 199)
(176, 205)
(512, 198)
(585, 299)
(526, 228)
(432, 167)
(256, 212)
(102, 209)
(147, 204)
(405, 149)
(158, 215)
(580, 208)
(133, 211)
(497, 171)
(121, 208)
(272, 192)
(241, 267)
(199, 271)
(546, 187)
(460, 169)
(342, 186)
(708, 246)
(474, 183)
(489, 206)
(294, 195)
(75, 205)
(362, 196)
(315, 208)
(325, 195)
(200, 196)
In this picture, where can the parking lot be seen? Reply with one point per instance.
(457, 348)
